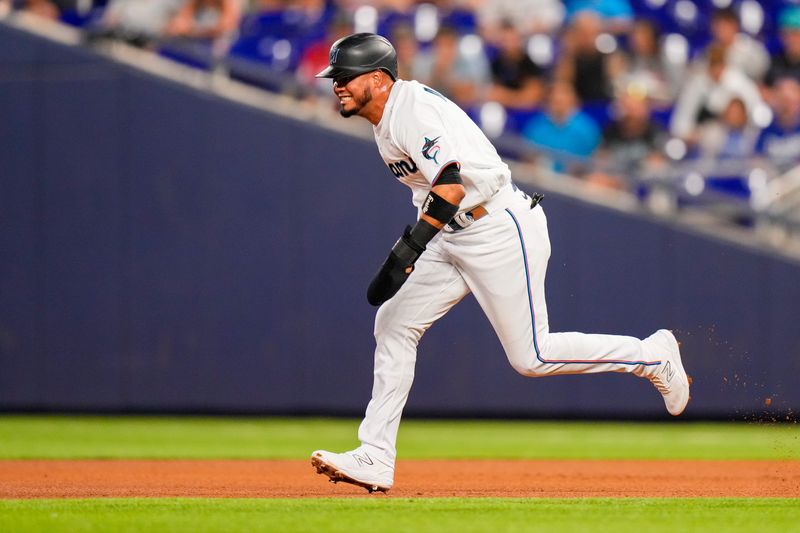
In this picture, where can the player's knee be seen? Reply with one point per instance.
(529, 371)
(530, 359)
(397, 334)
(527, 364)
(391, 327)
(385, 322)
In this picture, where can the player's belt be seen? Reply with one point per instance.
(465, 220)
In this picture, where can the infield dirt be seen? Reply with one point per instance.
(429, 478)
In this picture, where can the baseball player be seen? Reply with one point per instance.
(476, 232)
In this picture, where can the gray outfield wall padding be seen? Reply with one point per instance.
(165, 249)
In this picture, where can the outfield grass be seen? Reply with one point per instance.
(386, 515)
(37, 437)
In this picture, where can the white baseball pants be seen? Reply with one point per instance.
(501, 259)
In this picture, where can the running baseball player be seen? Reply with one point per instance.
(476, 232)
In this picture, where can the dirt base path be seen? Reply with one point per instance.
(297, 479)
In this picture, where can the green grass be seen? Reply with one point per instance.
(387, 515)
(194, 437)
(246, 438)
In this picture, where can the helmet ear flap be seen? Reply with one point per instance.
(389, 73)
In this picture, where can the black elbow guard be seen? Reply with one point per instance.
(449, 176)
(438, 208)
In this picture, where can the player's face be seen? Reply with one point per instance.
(353, 92)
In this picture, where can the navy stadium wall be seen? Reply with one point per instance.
(163, 249)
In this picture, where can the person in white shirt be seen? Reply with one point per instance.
(139, 22)
(529, 17)
(741, 50)
(707, 93)
(476, 232)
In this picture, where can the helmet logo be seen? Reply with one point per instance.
(334, 55)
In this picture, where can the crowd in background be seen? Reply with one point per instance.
(608, 90)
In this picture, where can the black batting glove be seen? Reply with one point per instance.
(396, 269)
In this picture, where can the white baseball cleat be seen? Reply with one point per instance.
(356, 467)
(669, 378)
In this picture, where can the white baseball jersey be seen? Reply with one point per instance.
(421, 132)
(501, 259)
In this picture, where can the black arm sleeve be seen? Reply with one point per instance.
(449, 175)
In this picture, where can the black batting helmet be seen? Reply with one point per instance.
(360, 53)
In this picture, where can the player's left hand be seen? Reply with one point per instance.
(395, 270)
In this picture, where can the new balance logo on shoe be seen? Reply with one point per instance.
(363, 459)
(669, 372)
(669, 378)
(356, 467)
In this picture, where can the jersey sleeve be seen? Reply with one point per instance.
(423, 135)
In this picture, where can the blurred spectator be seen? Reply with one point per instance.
(350, 6)
(731, 136)
(260, 6)
(707, 92)
(616, 16)
(215, 20)
(565, 135)
(5, 7)
(311, 10)
(398, 6)
(307, 19)
(631, 143)
(316, 56)
(581, 63)
(786, 62)
(402, 37)
(780, 141)
(528, 16)
(456, 71)
(517, 82)
(741, 50)
(41, 8)
(643, 68)
(138, 22)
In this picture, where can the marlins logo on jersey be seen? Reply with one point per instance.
(430, 149)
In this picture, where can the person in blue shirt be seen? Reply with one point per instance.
(617, 15)
(563, 134)
(780, 141)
